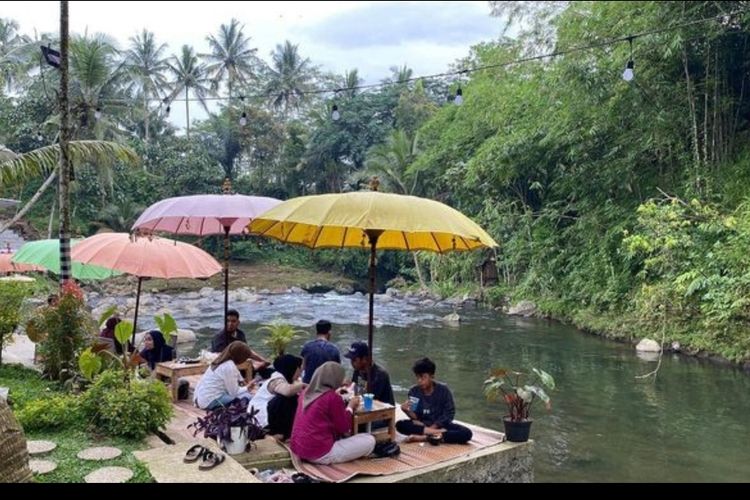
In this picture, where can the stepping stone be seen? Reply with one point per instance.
(40, 447)
(109, 475)
(41, 466)
(99, 453)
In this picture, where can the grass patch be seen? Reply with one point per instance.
(71, 469)
(27, 385)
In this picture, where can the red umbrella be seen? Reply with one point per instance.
(206, 214)
(146, 257)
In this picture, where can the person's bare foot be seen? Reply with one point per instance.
(415, 438)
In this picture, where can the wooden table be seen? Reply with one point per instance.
(380, 411)
(174, 370)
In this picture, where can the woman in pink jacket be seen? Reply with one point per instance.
(322, 420)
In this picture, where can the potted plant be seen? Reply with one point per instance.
(280, 334)
(519, 392)
(232, 426)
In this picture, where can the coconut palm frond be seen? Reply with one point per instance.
(44, 160)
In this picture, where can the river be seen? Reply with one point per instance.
(692, 423)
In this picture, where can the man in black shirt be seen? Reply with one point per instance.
(225, 337)
(359, 354)
(430, 409)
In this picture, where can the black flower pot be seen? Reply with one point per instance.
(517, 432)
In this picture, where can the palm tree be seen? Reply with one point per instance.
(349, 80)
(401, 74)
(189, 73)
(145, 63)
(13, 60)
(290, 77)
(96, 92)
(390, 161)
(118, 217)
(44, 161)
(231, 57)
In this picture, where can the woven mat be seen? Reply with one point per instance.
(413, 456)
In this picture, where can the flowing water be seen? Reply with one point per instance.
(691, 424)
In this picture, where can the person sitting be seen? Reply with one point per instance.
(276, 400)
(233, 333)
(380, 388)
(109, 333)
(222, 383)
(155, 349)
(322, 419)
(430, 409)
(319, 350)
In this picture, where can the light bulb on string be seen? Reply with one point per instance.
(243, 119)
(459, 99)
(335, 115)
(98, 113)
(628, 74)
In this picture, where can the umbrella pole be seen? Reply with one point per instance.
(373, 235)
(226, 275)
(135, 316)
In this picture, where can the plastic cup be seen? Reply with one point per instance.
(367, 400)
(413, 403)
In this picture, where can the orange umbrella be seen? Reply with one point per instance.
(6, 266)
(146, 257)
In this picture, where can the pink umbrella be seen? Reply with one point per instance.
(148, 257)
(206, 214)
(6, 266)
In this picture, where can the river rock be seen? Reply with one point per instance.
(383, 298)
(296, 289)
(452, 319)
(525, 308)
(393, 292)
(206, 292)
(676, 347)
(648, 345)
(184, 336)
(344, 289)
(190, 296)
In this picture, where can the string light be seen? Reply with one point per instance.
(722, 18)
(243, 119)
(98, 113)
(628, 75)
(459, 99)
(335, 115)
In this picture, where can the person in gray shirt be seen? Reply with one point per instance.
(431, 410)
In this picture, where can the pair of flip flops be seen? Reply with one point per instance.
(208, 458)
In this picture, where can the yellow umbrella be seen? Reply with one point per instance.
(380, 221)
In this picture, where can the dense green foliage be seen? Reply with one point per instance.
(619, 206)
(59, 411)
(132, 408)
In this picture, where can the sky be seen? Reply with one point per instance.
(336, 35)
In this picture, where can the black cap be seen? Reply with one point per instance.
(358, 349)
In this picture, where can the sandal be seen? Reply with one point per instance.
(211, 460)
(194, 453)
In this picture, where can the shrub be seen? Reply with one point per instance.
(132, 408)
(69, 327)
(56, 412)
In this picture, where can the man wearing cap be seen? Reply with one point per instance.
(318, 351)
(359, 354)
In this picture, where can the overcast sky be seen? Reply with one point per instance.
(369, 36)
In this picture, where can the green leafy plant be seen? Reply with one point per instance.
(519, 395)
(131, 408)
(167, 325)
(108, 313)
(56, 412)
(280, 335)
(89, 363)
(69, 328)
(11, 298)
